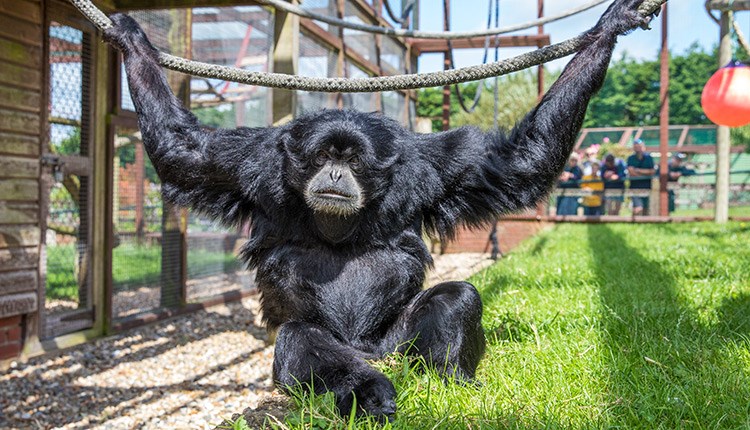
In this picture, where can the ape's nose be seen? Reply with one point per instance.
(335, 175)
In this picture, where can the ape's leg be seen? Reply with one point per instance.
(309, 355)
(444, 325)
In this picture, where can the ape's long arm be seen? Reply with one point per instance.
(212, 171)
(483, 175)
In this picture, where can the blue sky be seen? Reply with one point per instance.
(688, 23)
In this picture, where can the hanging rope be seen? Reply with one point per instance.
(290, 8)
(457, 87)
(404, 15)
(362, 85)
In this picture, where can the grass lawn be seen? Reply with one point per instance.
(133, 266)
(596, 326)
(738, 211)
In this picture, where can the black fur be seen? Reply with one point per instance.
(335, 305)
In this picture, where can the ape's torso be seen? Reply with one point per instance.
(356, 292)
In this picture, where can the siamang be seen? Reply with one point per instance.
(338, 201)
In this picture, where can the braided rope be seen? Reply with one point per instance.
(362, 85)
(446, 35)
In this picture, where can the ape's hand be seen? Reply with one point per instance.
(622, 17)
(126, 35)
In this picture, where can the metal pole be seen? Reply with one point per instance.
(446, 66)
(723, 142)
(540, 68)
(664, 118)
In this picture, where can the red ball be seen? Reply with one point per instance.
(726, 96)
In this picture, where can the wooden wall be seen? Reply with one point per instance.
(21, 118)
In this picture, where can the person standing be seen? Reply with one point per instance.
(569, 179)
(613, 172)
(593, 204)
(641, 171)
(676, 171)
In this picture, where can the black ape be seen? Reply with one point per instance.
(338, 201)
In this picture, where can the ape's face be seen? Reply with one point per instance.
(334, 188)
(335, 168)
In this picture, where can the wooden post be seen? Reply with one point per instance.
(723, 143)
(285, 55)
(174, 234)
(541, 207)
(664, 117)
(140, 174)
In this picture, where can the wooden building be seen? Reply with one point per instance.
(87, 247)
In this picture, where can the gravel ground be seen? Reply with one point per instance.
(189, 372)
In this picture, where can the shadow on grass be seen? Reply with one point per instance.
(667, 368)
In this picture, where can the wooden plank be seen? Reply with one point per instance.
(26, 190)
(13, 236)
(17, 167)
(422, 46)
(20, 99)
(18, 213)
(18, 282)
(727, 5)
(19, 122)
(24, 10)
(19, 258)
(21, 76)
(170, 4)
(17, 304)
(21, 31)
(11, 143)
(21, 53)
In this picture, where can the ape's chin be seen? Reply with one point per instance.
(335, 228)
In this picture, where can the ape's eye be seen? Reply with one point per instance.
(321, 157)
(355, 162)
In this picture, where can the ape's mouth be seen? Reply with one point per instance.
(330, 193)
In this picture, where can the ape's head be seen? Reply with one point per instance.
(339, 162)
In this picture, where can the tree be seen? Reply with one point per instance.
(517, 95)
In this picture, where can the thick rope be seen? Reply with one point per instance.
(363, 85)
(446, 35)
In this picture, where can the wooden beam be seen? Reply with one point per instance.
(723, 139)
(727, 5)
(285, 48)
(423, 46)
(171, 4)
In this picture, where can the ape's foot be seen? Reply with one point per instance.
(623, 16)
(375, 396)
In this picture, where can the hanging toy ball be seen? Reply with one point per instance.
(726, 96)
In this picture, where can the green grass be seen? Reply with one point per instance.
(595, 326)
(133, 266)
(738, 211)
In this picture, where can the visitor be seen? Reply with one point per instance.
(593, 204)
(569, 179)
(613, 172)
(641, 171)
(675, 172)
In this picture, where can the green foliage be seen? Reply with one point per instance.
(594, 326)
(238, 424)
(71, 145)
(217, 118)
(630, 94)
(517, 95)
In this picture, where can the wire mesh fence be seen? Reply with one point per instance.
(66, 185)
